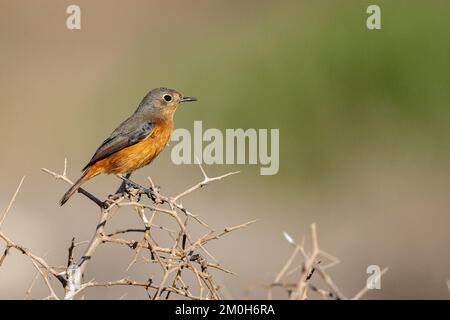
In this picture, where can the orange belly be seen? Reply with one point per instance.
(135, 156)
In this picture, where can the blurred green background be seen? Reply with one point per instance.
(364, 123)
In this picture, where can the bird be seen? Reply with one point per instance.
(136, 141)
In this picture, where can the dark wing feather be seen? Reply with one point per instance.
(127, 134)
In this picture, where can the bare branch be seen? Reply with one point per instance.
(184, 255)
(311, 263)
(13, 199)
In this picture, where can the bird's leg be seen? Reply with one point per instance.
(123, 189)
(142, 190)
(133, 184)
(123, 186)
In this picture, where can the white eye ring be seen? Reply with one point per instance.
(167, 97)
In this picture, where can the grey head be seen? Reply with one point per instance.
(162, 102)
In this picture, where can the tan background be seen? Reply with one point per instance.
(363, 118)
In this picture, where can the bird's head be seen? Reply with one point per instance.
(162, 102)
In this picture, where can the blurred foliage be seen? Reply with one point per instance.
(315, 71)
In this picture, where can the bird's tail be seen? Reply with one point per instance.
(86, 176)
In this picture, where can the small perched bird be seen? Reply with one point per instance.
(136, 141)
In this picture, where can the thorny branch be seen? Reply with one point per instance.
(296, 280)
(185, 255)
(186, 258)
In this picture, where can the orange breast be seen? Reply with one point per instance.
(137, 155)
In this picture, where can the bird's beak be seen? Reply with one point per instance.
(188, 99)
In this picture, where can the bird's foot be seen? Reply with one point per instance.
(130, 187)
(152, 193)
(116, 196)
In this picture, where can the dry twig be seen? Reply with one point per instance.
(185, 255)
(310, 264)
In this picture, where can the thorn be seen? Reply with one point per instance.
(288, 238)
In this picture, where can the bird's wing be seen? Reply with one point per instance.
(127, 134)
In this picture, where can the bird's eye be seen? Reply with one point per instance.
(167, 98)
